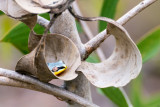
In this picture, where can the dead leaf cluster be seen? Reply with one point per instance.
(122, 66)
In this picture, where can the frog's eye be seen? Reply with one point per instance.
(61, 67)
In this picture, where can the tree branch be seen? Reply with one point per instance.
(98, 39)
(23, 81)
(134, 11)
(15, 83)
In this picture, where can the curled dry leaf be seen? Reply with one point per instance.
(48, 2)
(38, 6)
(12, 9)
(33, 40)
(53, 48)
(123, 65)
(30, 20)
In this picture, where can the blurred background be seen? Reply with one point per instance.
(137, 27)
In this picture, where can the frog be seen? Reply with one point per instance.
(57, 67)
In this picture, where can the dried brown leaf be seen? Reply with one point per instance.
(33, 40)
(53, 48)
(122, 66)
(48, 2)
(44, 6)
(12, 9)
(31, 7)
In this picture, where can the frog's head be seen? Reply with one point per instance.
(58, 70)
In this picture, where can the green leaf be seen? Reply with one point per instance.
(154, 101)
(39, 29)
(45, 15)
(108, 10)
(79, 28)
(136, 92)
(1, 13)
(149, 46)
(18, 36)
(93, 58)
(115, 95)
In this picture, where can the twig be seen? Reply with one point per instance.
(89, 47)
(50, 24)
(87, 31)
(42, 21)
(41, 43)
(85, 27)
(133, 12)
(126, 97)
(94, 42)
(50, 88)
